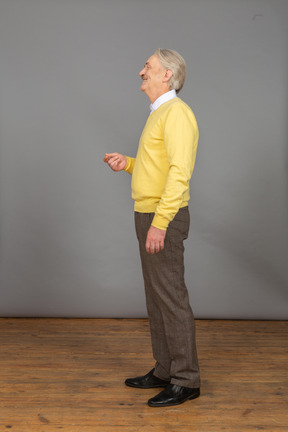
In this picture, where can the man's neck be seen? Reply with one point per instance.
(165, 97)
(155, 96)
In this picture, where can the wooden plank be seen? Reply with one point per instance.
(68, 374)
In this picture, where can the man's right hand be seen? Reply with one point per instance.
(116, 161)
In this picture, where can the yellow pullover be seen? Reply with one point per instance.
(164, 163)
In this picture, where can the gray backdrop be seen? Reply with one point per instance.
(70, 92)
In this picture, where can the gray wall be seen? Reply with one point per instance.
(69, 91)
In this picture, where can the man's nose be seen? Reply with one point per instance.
(141, 72)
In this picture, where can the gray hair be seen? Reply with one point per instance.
(173, 61)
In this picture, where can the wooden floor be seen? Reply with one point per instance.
(67, 375)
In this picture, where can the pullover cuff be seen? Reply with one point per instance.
(129, 165)
(160, 222)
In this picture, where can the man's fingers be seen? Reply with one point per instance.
(109, 156)
(113, 161)
(114, 164)
(116, 161)
(149, 248)
(154, 247)
(155, 240)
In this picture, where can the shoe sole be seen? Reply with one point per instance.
(146, 387)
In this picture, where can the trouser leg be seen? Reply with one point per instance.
(158, 337)
(171, 319)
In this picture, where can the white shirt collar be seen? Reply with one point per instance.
(162, 99)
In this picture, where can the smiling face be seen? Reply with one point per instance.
(155, 79)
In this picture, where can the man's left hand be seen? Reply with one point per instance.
(155, 240)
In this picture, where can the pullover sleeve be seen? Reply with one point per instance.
(129, 165)
(180, 140)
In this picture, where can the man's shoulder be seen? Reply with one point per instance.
(174, 108)
(177, 111)
(177, 104)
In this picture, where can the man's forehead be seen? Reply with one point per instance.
(153, 60)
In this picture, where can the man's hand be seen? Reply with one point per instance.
(116, 161)
(155, 240)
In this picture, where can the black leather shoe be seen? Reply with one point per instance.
(173, 395)
(146, 382)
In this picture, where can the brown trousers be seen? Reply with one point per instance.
(170, 315)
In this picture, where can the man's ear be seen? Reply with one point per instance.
(168, 74)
